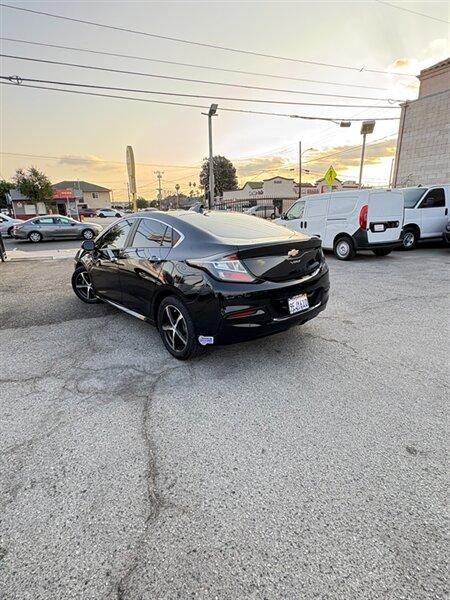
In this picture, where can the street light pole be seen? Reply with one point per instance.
(299, 169)
(211, 113)
(366, 127)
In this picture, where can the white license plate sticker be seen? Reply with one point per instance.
(298, 303)
(378, 227)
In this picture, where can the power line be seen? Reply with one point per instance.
(322, 157)
(201, 44)
(203, 107)
(413, 12)
(181, 64)
(189, 80)
(109, 162)
(15, 79)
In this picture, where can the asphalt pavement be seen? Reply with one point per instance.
(306, 465)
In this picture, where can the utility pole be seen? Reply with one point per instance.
(366, 127)
(128, 195)
(177, 188)
(159, 175)
(299, 169)
(211, 113)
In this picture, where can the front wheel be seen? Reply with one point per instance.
(10, 232)
(118, 215)
(35, 237)
(177, 329)
(82, 286)
(409, 239)
(344, 249)
(382, 251)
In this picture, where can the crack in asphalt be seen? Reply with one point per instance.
(154, 502)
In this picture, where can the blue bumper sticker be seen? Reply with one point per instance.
(204, 340)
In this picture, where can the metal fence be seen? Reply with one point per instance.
(265, 208)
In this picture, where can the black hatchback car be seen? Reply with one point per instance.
(208, 278)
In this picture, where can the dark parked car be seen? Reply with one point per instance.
(204, 278)
(55, 227)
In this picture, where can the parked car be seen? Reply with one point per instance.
(51, 227)
(446, 234)
(261, 210)
(426, 213)
(349, 221)
(7, 223)
(207, 278)
(86, 212)
(108, 212)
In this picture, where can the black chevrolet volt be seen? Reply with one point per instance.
(208, 278)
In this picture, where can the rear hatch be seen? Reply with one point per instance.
(385, 216)
(282, 261)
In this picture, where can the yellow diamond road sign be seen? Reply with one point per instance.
(330, 175)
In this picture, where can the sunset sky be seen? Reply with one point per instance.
(73, 136)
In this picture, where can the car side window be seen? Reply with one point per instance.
(44, 221)
(61, 221)
(434, 199)
(116, 237)
(151, 234)
(296, 211)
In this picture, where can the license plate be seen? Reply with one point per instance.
(298, 303)
(378, 227)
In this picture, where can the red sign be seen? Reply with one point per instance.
(63, 194)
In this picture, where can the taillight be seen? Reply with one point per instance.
(363, 216)
(228, 268)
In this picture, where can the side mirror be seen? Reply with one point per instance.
(88, 245)
(284, 216)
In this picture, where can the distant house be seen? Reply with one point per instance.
(87, 195)
(68, 198)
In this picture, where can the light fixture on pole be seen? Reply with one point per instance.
(211, 113)
(366, 127)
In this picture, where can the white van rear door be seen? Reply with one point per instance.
(384, 216)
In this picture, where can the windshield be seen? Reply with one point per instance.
(411, 196)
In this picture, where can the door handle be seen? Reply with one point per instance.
(446, 212)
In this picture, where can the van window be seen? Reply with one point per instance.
(412, 196)
(434, 199)
(296, 211)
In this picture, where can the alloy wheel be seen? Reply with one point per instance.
(87, 234)
(174, 328)
(409, 239)
(84, 286)
(35, 236)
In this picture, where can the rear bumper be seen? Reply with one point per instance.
(362, 242)
(272, 313)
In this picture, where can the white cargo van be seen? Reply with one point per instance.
(426, 213)
(351, 220)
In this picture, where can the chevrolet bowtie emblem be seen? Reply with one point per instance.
(293, 253)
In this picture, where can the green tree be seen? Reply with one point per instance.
(224, 175)
(33, 184)
(141, 202)
(5, 186)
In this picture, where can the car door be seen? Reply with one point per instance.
(45, 226)
(65, 228)
(293, 219)
(104, 270)
(315, 217)
(434, 213)
(141, 264)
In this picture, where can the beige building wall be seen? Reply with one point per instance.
(423, 147)
(97, 199)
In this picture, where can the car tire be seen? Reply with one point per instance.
(35, 237)
(272, 216)
(118, 215)
(102, 216)
(382, 251)
(82, 286)
(88, 234)
(344, 248)
(177, 330)
(10, 232)
(410, 238)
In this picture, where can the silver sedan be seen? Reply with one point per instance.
(54, 228)
(7, 223)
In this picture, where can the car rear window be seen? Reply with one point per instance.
(236, 226)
